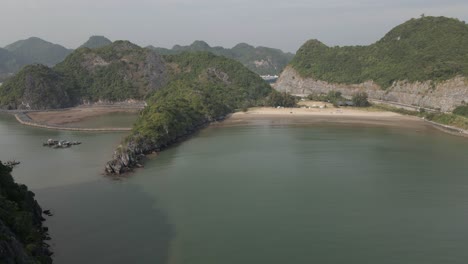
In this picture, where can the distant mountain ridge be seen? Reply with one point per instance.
(96, 42)
(261, 60)
(8, 62)
(38, 51)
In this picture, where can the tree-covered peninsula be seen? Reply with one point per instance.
(201, 88)
(423, 49)
(22, 235)
(183, 91)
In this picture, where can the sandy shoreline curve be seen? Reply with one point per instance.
(314, 115)
(332, 115)
(304, 114)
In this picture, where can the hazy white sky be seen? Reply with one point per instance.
(284, 24)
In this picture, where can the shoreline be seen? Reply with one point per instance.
(57, 119)
(128, 158)
(352, 116)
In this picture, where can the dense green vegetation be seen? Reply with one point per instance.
(332, 97)
(261, 60)
(428, 48)
(39, 87)
(281, 99)
(122, 71)
(96, 42)
(20, 213)
(116, 72)
(202, 88)
(359, 99)
(461, 110)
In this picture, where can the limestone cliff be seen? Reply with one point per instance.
(444, 96)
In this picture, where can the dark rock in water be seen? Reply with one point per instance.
(129, 156)
(48, 213)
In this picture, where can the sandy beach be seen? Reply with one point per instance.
(308, 112)
(303, 116)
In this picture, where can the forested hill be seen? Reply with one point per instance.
(428, 48)
(115, 72)
(29, 51)
(122, 71)
(202, 88)
(261, 60)
(36, 50)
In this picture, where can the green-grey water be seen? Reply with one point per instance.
(262, 193)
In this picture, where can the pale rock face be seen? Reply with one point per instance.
(444, 96)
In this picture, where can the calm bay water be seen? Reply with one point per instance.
(254, 194)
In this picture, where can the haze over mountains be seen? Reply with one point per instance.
(13, 57)
(96, 42)
(261, 60)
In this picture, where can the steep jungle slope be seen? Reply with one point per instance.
(22, 235)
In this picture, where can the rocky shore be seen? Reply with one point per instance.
(131, 155)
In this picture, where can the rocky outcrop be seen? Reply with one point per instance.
(131, 154)
(443, 96)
